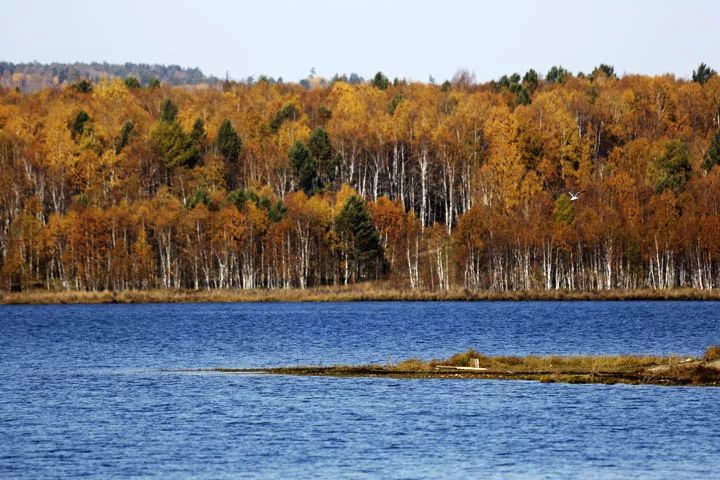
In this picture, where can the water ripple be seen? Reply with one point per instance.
(83, 393)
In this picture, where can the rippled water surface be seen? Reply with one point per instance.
(83, 393)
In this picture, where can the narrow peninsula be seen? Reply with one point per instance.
(635, 370)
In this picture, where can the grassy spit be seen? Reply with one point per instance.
(603, 369)
(376, 291)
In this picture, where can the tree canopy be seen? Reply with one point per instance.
(267, 184)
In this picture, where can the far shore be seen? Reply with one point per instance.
(602, 369)
(349, 293)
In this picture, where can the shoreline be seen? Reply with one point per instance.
(606, 370)
(350, 293)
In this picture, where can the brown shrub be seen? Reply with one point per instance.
(464, 359)
(412, 365)
(712, 353)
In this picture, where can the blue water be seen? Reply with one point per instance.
(83, 393)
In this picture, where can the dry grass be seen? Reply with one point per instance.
(532, 363)
(685, 374)
(412, 365)
(371, 291)
(712, 353)
(606, 369)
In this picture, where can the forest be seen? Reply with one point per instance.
(32, 77)
(126, 185)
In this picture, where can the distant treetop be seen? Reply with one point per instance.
(30, 77)
(34, 76)
(703, 74)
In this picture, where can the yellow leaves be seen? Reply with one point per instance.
(358, 112)
(471, 230)
(166, 209)
(628, 97)
(663, 221)
(108, 158)
(444, 136)
(531, 185)
(504, 170)
(389, 219)
(59, 144)
(267, 192)
(417, 116)
(342, 195)
(112, 91)
(228, 227)
(622, 184)
(197, 217)
(624, 190)
(501, 128)
(142, 258)
(141, 211)
(557, 123)
(208, 175)
(256, 218)
(11, 119)
(636, 158)
(347, 100)
(307, 215)
(320, 210)
(90, 229)
(295, 202)
(56, 231)
(349, 113)
(289, 133)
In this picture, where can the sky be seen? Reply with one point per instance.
(411, 39)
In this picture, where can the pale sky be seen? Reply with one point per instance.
(404, 38)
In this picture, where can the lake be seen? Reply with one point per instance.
(84, 391)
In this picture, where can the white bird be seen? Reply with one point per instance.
(575, 196)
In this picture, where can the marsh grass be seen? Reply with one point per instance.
(605, 369)
(584, 363)
(369, 291)
(412, 365)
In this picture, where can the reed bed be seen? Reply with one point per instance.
(376, 291)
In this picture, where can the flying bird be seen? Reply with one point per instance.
(575, 196)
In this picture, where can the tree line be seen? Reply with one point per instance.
(31, 77)
(118, 185)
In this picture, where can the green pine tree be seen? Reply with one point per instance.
(124, 137)
(78, 125)
(198, 134)
(324, 155)
(361, 241)
(557, 74)
(228, 142)
(702, 74)
(712, 157)
(173, 146)
(674, 166)
(531, 81)
(604, 69)
(229, 145)
(132, 82)
(288, 112)
(83, 86)
(168, 111)
(380, 81)
(304, 167)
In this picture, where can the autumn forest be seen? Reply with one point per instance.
(125, 184)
